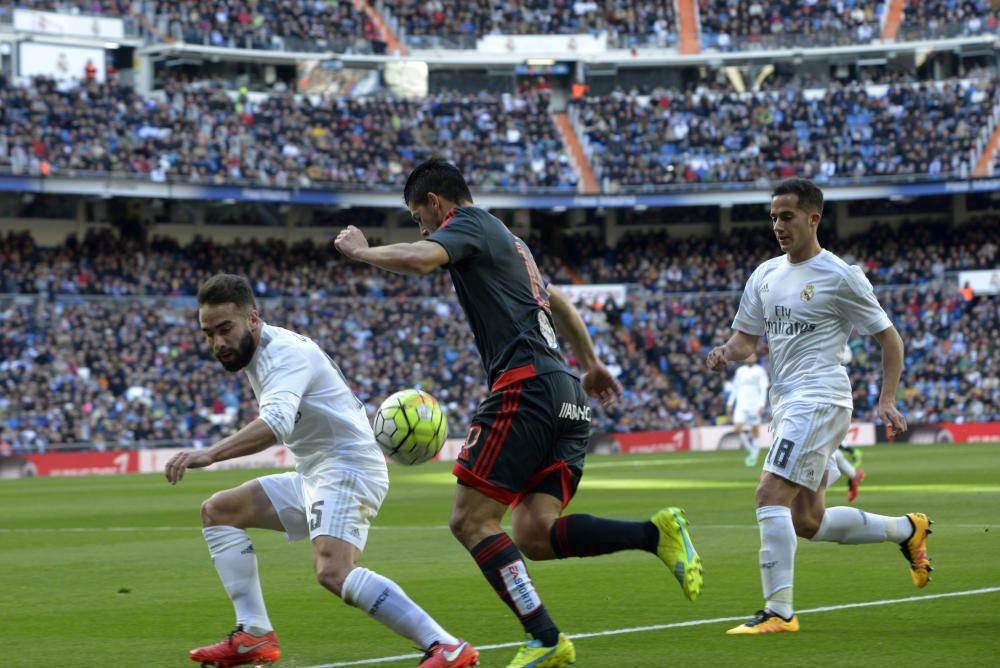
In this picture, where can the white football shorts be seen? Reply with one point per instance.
(746, 415)
(336, 502)
(806, 434)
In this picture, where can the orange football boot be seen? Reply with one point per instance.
(239, 649)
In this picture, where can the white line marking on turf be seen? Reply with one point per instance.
(676, 625)
(395, 527)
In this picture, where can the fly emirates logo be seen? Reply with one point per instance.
(783, 323)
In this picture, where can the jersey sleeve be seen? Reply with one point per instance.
(857, 304)
(282, 387)
(462, 237)
(750, 316)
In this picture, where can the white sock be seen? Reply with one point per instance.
(745, 441)
(236, 562)
(843, 465)
(852, 526)
(754, 446)
(777, 557)
(384, 600)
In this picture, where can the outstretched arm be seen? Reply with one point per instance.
(252, 438)
(421, 257)
(739, 347)
(597, 379)
(892, 368)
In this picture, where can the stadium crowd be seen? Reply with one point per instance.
(727, 25)
(948, 18)
(626, 22)
(288, 25)
(740, 24)
(109, 370)
(197, 132)
(666, 137)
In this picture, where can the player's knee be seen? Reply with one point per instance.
(463, 526)
(534, 543)
(216, 511)
(332, 576)
(806, 525)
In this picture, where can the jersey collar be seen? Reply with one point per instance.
(447, 219)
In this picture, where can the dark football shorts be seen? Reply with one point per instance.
(526, 437)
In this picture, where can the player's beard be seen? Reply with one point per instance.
(243, 354)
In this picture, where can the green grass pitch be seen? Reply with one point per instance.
(113, 571)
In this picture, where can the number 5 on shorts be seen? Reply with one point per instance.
(317, 515)
(779, 453)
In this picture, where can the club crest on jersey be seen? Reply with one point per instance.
(807, 293)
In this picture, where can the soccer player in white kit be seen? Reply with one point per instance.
(337, 488)
(806, 302)
(747, 403)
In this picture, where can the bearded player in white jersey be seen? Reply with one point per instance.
(337, 488)
(747, 403)
(806, 302)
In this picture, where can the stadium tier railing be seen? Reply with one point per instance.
(611, 189)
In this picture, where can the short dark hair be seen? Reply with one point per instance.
(436, 176)
(809, 194)
(227, 289)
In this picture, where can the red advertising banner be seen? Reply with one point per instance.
(644, 441)
(947, 432)
(80, 463)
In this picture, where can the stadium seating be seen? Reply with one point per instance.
(284, 25)
(199, 133)
(627, 22)
(731, 25)
(110, 369)
(948, 18)
(648, 141)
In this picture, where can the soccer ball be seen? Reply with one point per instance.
(410, 427)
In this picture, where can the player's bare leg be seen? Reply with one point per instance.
(225, 518)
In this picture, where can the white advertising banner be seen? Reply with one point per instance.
(543, 45)
(67, 25)
(595, 294)
(153, 461)
(59, 62)
(724, 437)
(982, 282)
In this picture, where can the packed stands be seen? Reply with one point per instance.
(948, 18)
(664, 137)
(197, 132)
(730, 25)
(285, 25)
(109, 369)
(626, 22)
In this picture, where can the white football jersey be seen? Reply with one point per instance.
(307, 403)
(749, 388)
(807, 311)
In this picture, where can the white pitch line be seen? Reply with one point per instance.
(676, 625)
(396, 527)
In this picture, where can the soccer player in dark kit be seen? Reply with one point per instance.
(526, 444)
